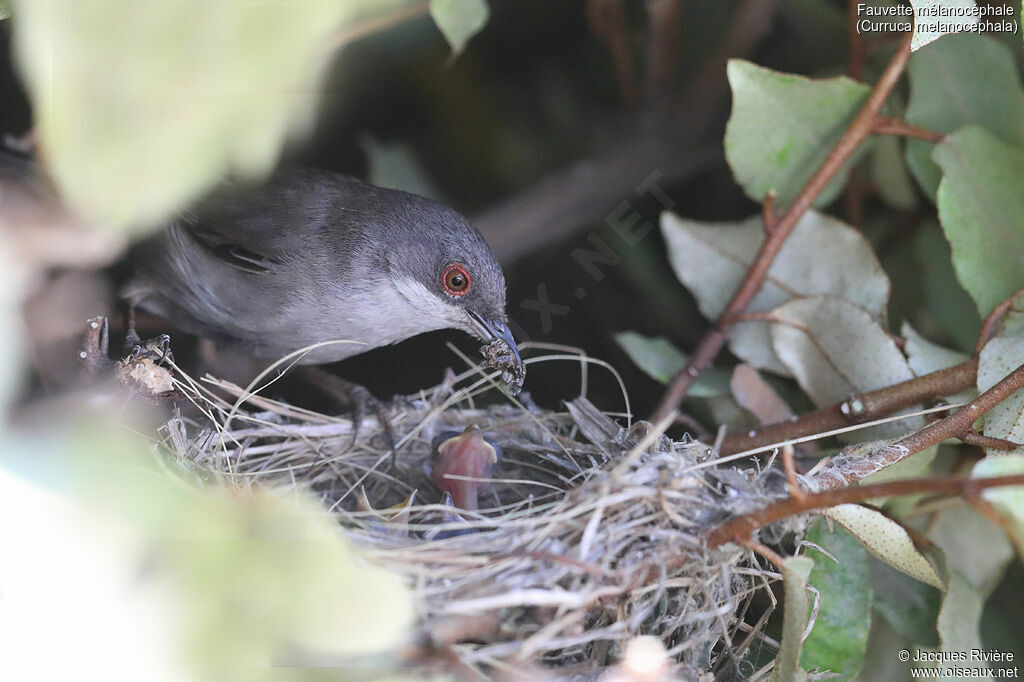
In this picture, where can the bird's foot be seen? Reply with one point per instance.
(358, 399)
(157, 349)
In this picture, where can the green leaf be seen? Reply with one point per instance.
(998, 358)
(459, 20)
(981, 207)
(947, 304)
(839, 639)
(958, 621)
(886, 539)
(890, 174)
(836, 349)
(660, 360)
(925, 357)
(783, 126)
(228, 581)
(910, 606)
(973, 546)
(795, 572)
(930, 28)
(1008, 500)
(140, 108)
(957, 81)
(822, 256)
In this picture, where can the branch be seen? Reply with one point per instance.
(740, 529)
(886, 125)
(859, 129)
(858, 408)
(992, 320)
(962, 421)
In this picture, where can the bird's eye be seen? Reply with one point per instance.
(456, 280)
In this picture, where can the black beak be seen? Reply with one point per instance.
(491, 330)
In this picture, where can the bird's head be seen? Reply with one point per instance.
(443, 266)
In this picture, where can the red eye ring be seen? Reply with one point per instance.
(456, 280)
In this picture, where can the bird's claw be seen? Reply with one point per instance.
(157, 349)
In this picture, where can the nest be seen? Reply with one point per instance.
(588, 536)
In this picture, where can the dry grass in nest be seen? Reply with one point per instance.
(589, 533)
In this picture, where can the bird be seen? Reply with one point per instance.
(313, 256)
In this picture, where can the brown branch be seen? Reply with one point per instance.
(992, 320)
(859, 129)
(857, 49)
(662, 46)
(607, 19)
(859, 408)
(955, 425)
(972, 437)
(886, 125)
(740, 528)
(962, 421)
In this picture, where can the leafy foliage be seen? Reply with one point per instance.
(946, 93)
(839, 639)
(823, 257)
(217, 89)
(981, 207)
(783, 126)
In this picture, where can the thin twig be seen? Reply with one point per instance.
(972, 437)
(859, 129)
(992, 320)
(607, 19)
(859, 408)
(962, 421)
(740, 528)
(886, 125)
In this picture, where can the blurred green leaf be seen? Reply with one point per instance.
(957, 81)
(13, 281)
(839, 639)
(228, 581)
(783, 126)
(822, 256)
(5, 9)
(140, 107)
(890, 174)
(1008, 500)
(972, 545)
(795, 572)
(945, 301)
(910, 606)
(958, 621)
(925, 357)
(922, 36)
(884, 538)
(836, 349)
(981, 208)
(459, 20)
(998, 358)
(660, 360)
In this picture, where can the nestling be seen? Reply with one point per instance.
(314, 256)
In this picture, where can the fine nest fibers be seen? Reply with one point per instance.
(588, 535)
